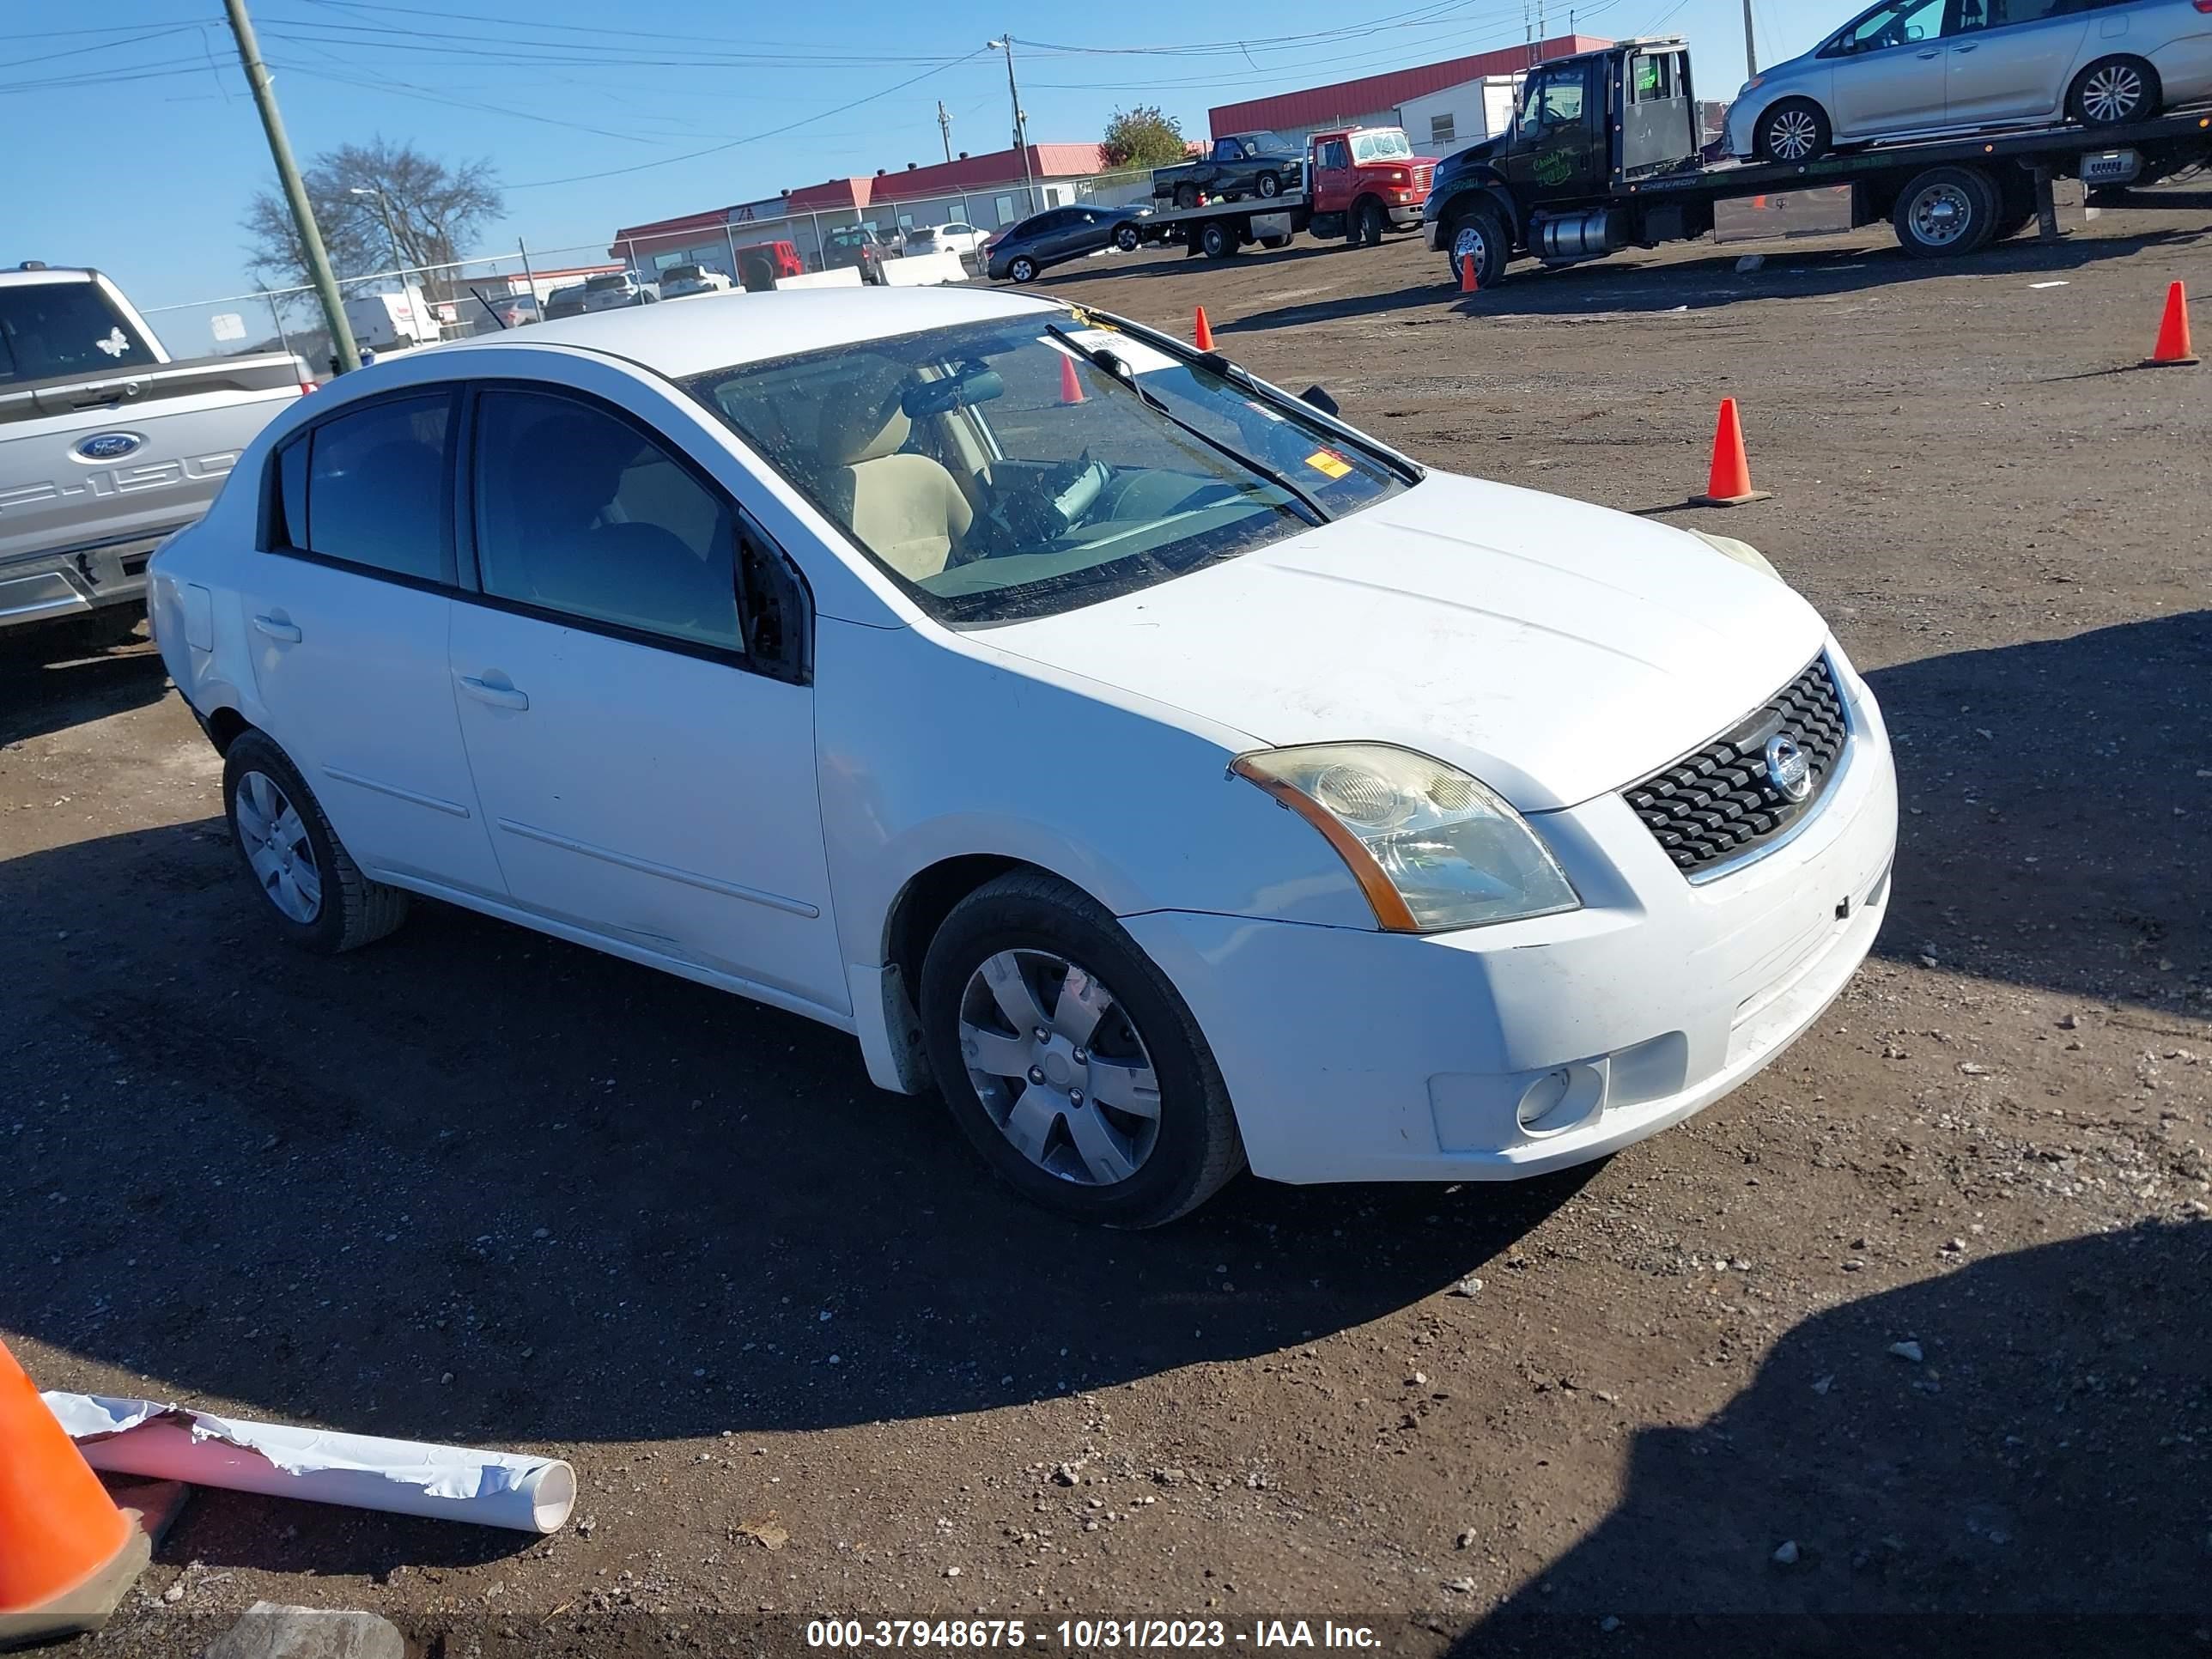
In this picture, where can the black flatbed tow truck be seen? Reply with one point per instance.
(1604, 153)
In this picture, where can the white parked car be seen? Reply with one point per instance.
(955, 238)
(681, 281)
(1170, 774)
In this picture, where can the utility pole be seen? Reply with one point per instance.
(1750, 51)
(295, 192)
(1005, 43)
(944, 126)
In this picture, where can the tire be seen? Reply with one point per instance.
(1274, 241)
(1479, 230)
(2011, 224)
(1268, 185)
(2112, 92)
(1372, 223)
(1793, 130)
(349, 910)
(1046, 932)
(1946, 211)
(1128, 240)
(1022, 268)
(1217, 241)
(1186, 196)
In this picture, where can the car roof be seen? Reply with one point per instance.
(676, 341)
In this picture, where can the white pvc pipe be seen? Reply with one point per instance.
(400, 1477)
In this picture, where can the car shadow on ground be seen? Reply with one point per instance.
(1628, 282)
(2032, 1484)
(603, 1203)
(62, 675)
(2054, 830)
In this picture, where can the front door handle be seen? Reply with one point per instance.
(498, 696)
(1924, 56)
(288, 632)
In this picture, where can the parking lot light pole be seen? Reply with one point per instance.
(295, 192)
(1005, 43)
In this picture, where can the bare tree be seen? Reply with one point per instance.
(436, 211)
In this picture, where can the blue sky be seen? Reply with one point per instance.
(152, 148)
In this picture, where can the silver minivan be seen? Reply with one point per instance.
(1911, 68)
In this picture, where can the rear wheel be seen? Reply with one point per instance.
(1274, 241)
(2114, 91)
(1023, 269)
(1945, 211)
(1479, 234)
(1068, 1060)
(1794, 130)
(316, 893)
(1186, 196)
(1216, 240)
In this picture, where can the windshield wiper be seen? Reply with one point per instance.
(1118, 371)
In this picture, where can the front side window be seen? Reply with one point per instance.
(1391, 145)
(1335, 155)
(1556, 99)
(998, 475)
(578, 512)
(50, 329)
(1900, 23)
(369, 488)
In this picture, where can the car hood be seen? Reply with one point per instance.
(1553, 649)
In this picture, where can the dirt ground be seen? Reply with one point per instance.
(808, 1361)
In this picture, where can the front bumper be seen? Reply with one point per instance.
(1742, 122)
(1403, 216)
(78, 581)
(1370, 1056)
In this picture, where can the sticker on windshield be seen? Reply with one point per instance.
(1142, 359)
(1329, 464)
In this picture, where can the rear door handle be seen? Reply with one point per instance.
(1961, 50)
(498, 696)
(288, 632)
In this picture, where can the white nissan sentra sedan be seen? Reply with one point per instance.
(1172, 777)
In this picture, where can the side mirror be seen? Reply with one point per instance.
(1316, 397)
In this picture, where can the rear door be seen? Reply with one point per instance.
(347, 610)
(2010, 60)
(1889, 71)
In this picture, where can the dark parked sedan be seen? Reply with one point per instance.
(1062, 233)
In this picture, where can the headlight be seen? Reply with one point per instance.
(1431, 847)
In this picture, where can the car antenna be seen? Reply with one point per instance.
(487, 305)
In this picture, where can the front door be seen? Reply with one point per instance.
(2008, 60)
(1889, 73)
(1332, 175)
(645, 780)
(347, 618)
(1557, 142)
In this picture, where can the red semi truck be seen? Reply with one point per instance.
(1359, 182)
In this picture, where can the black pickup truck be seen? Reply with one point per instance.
(1249, 164)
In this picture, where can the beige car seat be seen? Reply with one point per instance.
(905, 509)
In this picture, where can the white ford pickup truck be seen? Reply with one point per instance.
(108, 446)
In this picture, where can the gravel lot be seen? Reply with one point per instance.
(476, 1185)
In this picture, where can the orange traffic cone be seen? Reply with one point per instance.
(1204, 334)
(1467, 282)
(67, 1553)
(1071, 388)
(2172, 349)
(1729, 483)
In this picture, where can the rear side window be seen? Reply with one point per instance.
(50, 329)
(369, 488)
(580, 512)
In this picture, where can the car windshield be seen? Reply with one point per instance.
(998, 474)
(602, 283)
(849, 237)
(680, 274)
(1391, 146)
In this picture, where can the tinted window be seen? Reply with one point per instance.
(1997, 13)
(376, 488)
(578, 512)
(1897, 25)
(1559, 100)
(64, 328)
(288, 509)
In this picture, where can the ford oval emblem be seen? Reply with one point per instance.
(109, 445)
(1788, 770)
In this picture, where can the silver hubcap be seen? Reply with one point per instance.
(1790, 137)
(1467, 244)
(1267, 185)
(2112, 93)
(1940, 215)
(276, 848)
(1059, 1067)
(1023, 270)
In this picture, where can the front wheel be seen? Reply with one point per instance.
(1023, 269)
(2113, 92)
(1372, 223)
(1127, 239)
(1479, 234)
(1069, 1061)
(1269, 186)
(1946, 211)
(1794, 130)
(316, 894)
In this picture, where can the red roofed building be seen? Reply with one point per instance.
(1373, 99)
